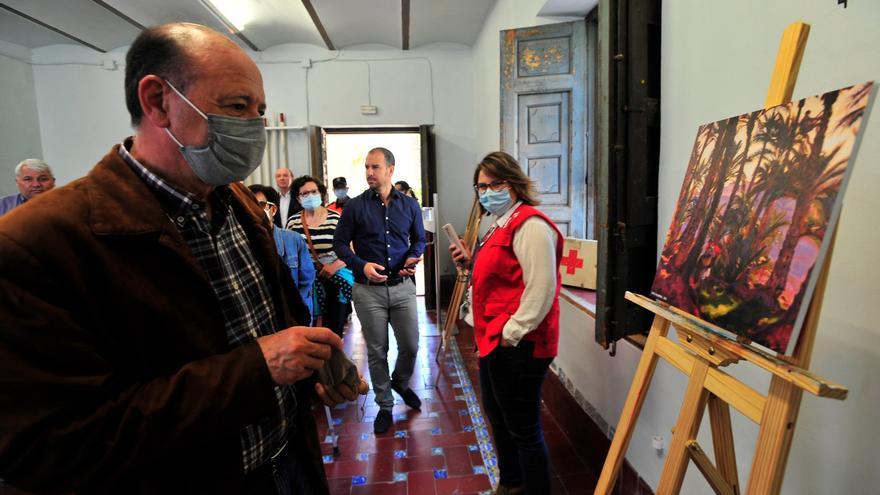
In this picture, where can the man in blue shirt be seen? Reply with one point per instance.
(385, 228)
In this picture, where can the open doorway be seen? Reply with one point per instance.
(345, 150)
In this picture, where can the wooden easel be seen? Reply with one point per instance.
(699, 353)
(461, 279)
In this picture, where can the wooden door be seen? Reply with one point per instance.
(429, 187)
(543, 116)
(627, 180)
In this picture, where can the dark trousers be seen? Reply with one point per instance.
(279, 475)
(510, 379)
(335, 312)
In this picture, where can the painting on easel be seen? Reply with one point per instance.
(760, 199)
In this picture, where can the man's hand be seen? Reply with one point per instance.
(341, 393)
(409, 272)
(371, 271)
(295, 353)
(329, 270)
(462, 256)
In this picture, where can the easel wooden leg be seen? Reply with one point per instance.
(686, 429)
(722, 440)
(461, 281)
(713, 476)
(631, 409)
(774, 438)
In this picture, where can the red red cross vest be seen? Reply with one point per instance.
(498, 286)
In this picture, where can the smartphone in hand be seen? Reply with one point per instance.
(452, 235)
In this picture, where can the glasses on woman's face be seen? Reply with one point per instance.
(266, 205)
(308, 193)
(495, 185)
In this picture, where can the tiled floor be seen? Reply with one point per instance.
(443, 449)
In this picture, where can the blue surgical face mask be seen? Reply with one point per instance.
(496, 202)
(234, 149)
(341, 193)
(310, 202)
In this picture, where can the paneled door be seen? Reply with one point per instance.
(543, 109)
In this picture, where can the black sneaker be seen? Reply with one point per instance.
(383, 422)
(411, 399)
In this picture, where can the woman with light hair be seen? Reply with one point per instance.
(515, 312)
(32, 176)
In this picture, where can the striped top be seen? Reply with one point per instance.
(322, 237)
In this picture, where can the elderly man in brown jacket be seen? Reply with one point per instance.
(148, 338)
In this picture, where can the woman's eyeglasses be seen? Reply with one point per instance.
(495, 185)
(266, 204)
(308, 193)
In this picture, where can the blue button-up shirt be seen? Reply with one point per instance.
(384, 235)
(9, 202)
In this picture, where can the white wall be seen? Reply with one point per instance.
(81, 107)
(19, 127)
(717, 57)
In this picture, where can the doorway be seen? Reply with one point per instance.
(344, 152)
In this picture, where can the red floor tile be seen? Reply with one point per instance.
(398, 488)
(421, 483)
(462, 484)
(458, 462)
(339, 486)
(341, 469)
(381, 468)
(565, 466)
(584, 483)
(420, 463)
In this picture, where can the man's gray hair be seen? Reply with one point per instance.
(34, 164)
(389, 156)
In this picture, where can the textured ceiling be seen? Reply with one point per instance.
(105, 25)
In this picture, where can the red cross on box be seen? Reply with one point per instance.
(572, 262)
(577, 266)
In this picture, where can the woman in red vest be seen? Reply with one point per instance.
(515, 307)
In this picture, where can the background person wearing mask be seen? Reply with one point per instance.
(515, 308)
(182, 364)
(340, 190)
(291, 247)
(317, 225)
(32, 177)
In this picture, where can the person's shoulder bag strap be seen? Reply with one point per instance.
(305, 225)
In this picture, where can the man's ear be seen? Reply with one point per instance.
(151, 94)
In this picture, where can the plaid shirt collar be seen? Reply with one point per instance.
(180, 206)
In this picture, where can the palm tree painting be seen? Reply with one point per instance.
(760, 198)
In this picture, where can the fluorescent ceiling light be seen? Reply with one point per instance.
(235, 14)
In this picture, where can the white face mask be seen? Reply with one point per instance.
(234, 149)
(310, 202)
(496, 202)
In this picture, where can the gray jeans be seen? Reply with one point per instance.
(377, 306)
